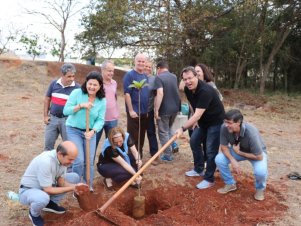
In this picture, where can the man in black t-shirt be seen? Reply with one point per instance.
(207, 119)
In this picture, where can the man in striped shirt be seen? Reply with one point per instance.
(55, 100)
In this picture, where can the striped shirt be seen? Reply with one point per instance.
(59, 95)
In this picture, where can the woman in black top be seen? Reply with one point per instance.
(119, 159)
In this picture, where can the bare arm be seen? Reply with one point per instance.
(181, 85)
(128, 102)
(191, 121)
(158, 101)
(63, 187)
(234, 163)
(247, 155)
(46, 109)
(124, 164)
(136, 156)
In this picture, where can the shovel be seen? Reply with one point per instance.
(101, 210)
(87, 200)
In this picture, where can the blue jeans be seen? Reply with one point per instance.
(77, 136)
(210, 138)
(151, 134)
(107, 127)
(55, 127)
(260, 168)
(38, 199)
(165, 133)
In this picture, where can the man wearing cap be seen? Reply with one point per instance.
(55, 100)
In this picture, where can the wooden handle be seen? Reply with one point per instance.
(130, 181)
(88, 147)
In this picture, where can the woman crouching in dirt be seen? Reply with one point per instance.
(90, 97)
(119, 159)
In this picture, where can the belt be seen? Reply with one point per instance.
(59, 116)
(22, 186)
(84, 130)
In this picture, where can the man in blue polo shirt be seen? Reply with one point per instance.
(131, 96)
(241, 141)
(55, 100)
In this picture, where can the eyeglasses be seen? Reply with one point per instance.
(188, 79)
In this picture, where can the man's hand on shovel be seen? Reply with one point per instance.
(81, 188)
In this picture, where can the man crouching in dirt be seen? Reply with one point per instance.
(241, 141)
(45, 181)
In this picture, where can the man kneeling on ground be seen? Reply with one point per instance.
(45, 181)
(241, 141)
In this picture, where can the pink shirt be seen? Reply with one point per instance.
(112, 111)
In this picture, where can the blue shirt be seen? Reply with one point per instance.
(78, 119)
(128, 79)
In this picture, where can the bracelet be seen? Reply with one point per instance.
(183, 129)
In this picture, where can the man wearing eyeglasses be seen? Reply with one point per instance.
(241, 141)
(208, 116)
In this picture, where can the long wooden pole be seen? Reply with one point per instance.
(88, 147)
(130, 181)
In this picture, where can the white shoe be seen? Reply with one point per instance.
(204, 184)
(193, 173)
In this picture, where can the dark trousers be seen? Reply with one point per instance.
(151, 134)
(115, 171)
(133, 130)
(211, 136)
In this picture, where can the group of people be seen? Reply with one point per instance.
(67, 105)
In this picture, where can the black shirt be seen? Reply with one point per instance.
(205, 97)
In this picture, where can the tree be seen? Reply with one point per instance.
(285, 20)
(7, 37)
(33, 48)
(104, 27)
(57, 13)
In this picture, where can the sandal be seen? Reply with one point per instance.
(109, 188)
(294, 176)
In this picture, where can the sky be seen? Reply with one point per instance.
(13, 17)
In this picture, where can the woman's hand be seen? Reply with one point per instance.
(138, 179)
(139, 163)
(90, 134)
(87, 105)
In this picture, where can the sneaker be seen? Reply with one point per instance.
(204, 184)
(227, 188)
(259, 195)
(175, 148)
(166, 158)
(193, 173)
(36, 221)
(54, 208)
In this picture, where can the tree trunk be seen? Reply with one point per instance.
(63, 45)
(239, 70)
(266, 68)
